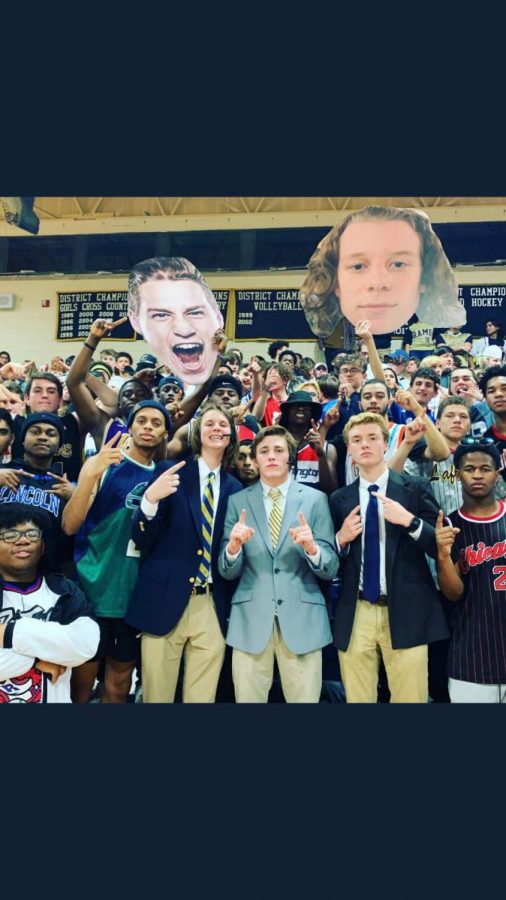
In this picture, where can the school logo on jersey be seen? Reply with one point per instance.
(133, 499)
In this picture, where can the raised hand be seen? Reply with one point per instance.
(238, 413)
(409, 402)
(303, 535)
(351, 527)
(166, 484)
(314, 439)
(175, 411)
(331, 416)
(219, 341)
(147, 376)
(445, 536)
(13, 370)
(254, 366)
(240, 534)
(109, 455)
(363, 330)
(414, 431)
(102, 327)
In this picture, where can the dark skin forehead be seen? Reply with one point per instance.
(476, 458)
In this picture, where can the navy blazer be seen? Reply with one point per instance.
(415, 612)
(171, 553)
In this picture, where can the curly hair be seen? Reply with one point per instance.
(196, 440)
(438, 303)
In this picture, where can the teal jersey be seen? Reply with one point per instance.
(106, 560)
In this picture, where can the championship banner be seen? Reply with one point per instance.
(270, 314)
(482, 303)
(77, 311)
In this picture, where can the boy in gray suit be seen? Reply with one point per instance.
(278, 539)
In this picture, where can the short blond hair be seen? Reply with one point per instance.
(366, 418)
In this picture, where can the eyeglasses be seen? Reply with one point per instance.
(345, 371)
(13, 535)
(476, 442)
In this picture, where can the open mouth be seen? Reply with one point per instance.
(189, 355)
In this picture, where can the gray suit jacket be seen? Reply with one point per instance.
(282, 580)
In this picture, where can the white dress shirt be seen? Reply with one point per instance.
(364, 497)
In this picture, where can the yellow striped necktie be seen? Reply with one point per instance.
(207, 509)
(275, 517)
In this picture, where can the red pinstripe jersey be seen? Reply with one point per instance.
(478, 642)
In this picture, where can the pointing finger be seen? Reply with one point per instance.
(114, 440)
(242, 517)
(302, 519)
(118, 322)
(439, 521)
(176, 468)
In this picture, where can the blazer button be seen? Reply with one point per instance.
(199, 552)
(191, 580)
(279, 602)
(276, 571)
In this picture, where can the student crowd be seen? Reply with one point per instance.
(214, 541)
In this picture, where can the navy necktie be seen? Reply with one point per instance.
(371, 574)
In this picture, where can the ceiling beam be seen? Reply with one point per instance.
(233, 221)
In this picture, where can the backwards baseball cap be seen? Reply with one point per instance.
(147, 361)
(397, 354)
(48, 418)
(150, 404)
(171, 379)
(225, 381)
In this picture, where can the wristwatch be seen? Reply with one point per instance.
(416, 522)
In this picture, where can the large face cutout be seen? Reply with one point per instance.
(379, 274)
(177, 320)
(381, 265)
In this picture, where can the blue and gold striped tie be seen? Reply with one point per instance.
(207, 508)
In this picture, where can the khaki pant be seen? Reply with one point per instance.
(407, 670)
(198, 634)
(301, 674)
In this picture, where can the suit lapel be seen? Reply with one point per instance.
(392, 532)
(291, 510)
(192, 489)
(351, 500)
(219, 516)
(256, 502)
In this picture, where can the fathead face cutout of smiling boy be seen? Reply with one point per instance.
(177, 316)
(379, 274)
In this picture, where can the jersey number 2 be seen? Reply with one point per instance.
(500, 582)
